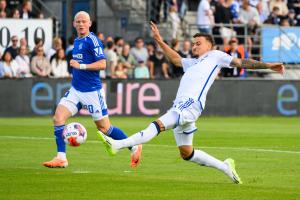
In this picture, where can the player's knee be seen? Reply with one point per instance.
(186, 152)
(59, 119)
(102, 128)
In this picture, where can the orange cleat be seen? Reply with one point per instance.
(56, 163)
(136, 154)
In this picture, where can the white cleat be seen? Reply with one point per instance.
(231, 172)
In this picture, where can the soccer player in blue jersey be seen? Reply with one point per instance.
(86, 91)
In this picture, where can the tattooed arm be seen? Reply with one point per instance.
(254, 64)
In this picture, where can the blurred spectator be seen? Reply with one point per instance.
(285, 22)
(40, 65)
(292, 18)
(283, 9)
(182, 8)
(13, 49)
(38, 43)
(294, 4)
(23, 42)
(141, 71)
(174, 69)
(10, 67)
(186, 51)
(56, 44)
(69, 52)
(40, 15)
(119, 43)
(100, 35)
(4, 9)
(70, 45)
(23, 62)
(128, 61)
(15, 14)
(175, 21)
(233, 51)
(26, 11)
(139, 52)
(2, 14)
(155, 10)
(158, 65)
(249, 15)
(263, 16)
(234, 8)
(150, 48)
(59, 66)
(223, 16)
(111, 59)
(274, 17)
(205, 18)
(120, 72)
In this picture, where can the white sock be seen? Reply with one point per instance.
(205, 159)
(62, 155)
(138, 138)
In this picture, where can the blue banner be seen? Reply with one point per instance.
(281, 44)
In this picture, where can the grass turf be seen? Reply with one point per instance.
(266, 151)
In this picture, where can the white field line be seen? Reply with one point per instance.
(162, 145)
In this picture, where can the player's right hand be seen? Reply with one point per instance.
(155, 32)
(74, 64)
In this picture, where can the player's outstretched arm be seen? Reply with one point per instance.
(254, 64)
(98, 65)
(172, 55)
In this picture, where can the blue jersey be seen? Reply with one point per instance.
(87, 50)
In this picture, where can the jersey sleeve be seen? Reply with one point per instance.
(96, 48)
(224, 59)
(188, 62)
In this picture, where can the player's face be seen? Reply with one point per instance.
(200, 46)
(82, 24)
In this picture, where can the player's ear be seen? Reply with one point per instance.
(90, 23)
(74, 24)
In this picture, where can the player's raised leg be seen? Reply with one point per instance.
(60, 117)
(184, 140)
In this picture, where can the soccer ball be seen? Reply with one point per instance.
(74, 134)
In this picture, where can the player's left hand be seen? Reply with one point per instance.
(74, 64)
(277, 67)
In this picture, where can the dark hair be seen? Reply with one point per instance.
(109, 44)
(116, 39)
(208, 37)
(138, 38)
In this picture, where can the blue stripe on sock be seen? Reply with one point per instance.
(110, 130)
(117, 134)
(61, 146)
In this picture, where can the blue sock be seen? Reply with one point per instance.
(116, 134)
(61, 146)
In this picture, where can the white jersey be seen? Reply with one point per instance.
(200, 74)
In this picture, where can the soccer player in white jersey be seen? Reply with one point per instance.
(86, 91)
(200, 73)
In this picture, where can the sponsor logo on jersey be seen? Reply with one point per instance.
(78, 56)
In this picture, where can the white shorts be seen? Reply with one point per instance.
(94, 102)
(187, 112)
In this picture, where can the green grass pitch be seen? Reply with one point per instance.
(266, 151)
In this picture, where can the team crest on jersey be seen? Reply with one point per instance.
(80, 46)
(98, 51)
